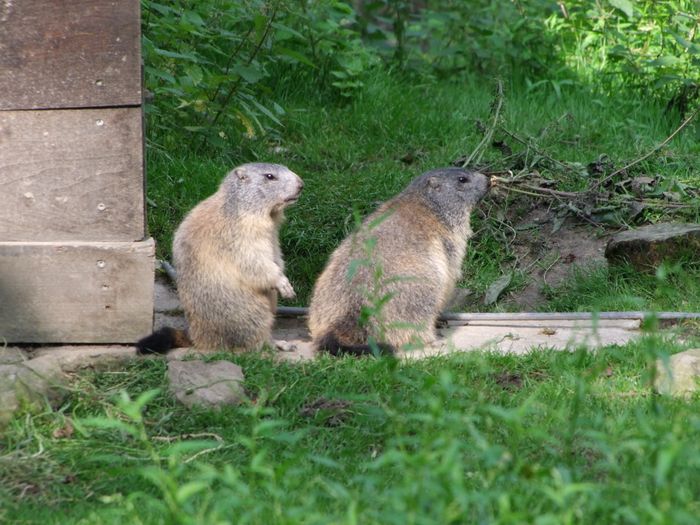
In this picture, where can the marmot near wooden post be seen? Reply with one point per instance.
(414, 261)
(229, 264)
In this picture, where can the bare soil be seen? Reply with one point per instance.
(548, 254)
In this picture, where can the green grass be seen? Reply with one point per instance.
(476, 438)
(548, 438)
(350, 156)
(603, 288)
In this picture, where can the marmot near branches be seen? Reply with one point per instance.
(229, 264)
(401, 266)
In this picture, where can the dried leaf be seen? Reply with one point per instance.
(642, 185)
(63, 432)
(496, 289)
(634, 208)
(557, 223)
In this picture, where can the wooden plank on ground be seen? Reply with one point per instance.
(504, 337)
(76, 292)
(69, 175)
(77, 53)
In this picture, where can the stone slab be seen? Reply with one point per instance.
(11, 355)
(647, 247)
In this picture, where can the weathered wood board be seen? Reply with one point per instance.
(71, 175)
(69, 53)
(76, 292)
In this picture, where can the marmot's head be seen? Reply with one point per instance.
(262, 188)
(451, 192)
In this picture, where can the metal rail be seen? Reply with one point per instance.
(300, 311)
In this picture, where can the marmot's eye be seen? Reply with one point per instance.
(270, 176)
(463, 180)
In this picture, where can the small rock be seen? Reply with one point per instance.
(187, 353)
(647, 247)
(680, 376)
(28, 386)
(195, 383)
(11, 355)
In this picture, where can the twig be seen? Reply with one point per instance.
(235, 52)
(206, 451)
(251, 57)
(170, 439)
(544, 274)
(536, 150)
(556, 193)
(602, 181)
(489, 132)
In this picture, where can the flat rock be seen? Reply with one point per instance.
(647, 247)
(680, 375)
(71, 358)
(215, 384)
(11, 355)
(186, 353)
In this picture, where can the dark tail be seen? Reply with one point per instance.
(160, 341)
(329, 343)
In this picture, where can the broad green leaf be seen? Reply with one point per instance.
(625, 6)
(173, 54)
(295, 55)
(665, 61)
(188, 490)
(249, 74)
(194, 72)
(496, 289)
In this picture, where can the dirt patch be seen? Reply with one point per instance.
(509, 381)
(547, 249)
(329, 412)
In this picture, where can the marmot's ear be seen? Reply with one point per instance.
(240, 173)
(433, 182)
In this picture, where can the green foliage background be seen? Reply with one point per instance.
(219, 68)
(359, 97)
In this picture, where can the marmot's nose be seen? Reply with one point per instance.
(301, 184)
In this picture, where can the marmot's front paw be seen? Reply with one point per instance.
(285, 289)
(284, 346)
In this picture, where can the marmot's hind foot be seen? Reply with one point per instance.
(330, 344)
(163, 340)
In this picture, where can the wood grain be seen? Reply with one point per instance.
(68, 175)
(69, 53)
(76, 292)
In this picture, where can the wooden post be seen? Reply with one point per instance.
(76, 265)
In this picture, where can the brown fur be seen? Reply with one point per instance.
(419, 247)
(228, 258)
